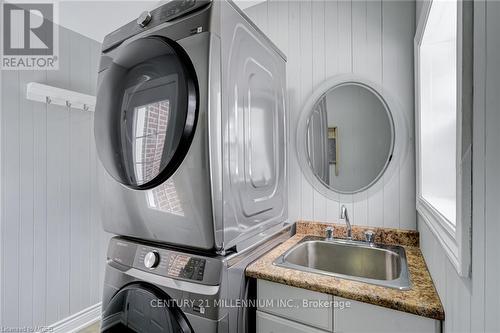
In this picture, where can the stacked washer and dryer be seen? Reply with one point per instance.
(190, 128)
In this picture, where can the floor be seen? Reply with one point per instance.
(94, 328)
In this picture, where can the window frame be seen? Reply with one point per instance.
(455, 239)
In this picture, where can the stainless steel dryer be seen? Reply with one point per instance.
(190, 127)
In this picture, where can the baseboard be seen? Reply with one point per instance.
(78, 321)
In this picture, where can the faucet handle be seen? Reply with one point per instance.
(369, 236)
(329, 233)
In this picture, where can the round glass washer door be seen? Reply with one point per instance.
(146, 112)
(132, 310)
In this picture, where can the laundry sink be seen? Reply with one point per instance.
(378, 264)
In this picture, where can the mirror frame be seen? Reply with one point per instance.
(399, 129)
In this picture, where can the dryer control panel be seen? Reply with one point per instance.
(148, 19)
(165, 262)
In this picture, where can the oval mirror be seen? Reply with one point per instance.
(347, 138)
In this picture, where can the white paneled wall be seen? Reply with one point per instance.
(472, 304)
(372, 39)
(52, 243)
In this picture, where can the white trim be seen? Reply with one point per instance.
(2, 270)
(78, 321)
(422, 20)
(455, 239)
(440, 229)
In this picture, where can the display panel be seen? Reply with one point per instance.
(186, 267)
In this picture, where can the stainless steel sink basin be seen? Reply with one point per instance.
(378, 264)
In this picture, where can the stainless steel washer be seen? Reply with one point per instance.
(150, 288)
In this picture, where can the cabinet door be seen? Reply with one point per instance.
(267, 323)
(360, 317)
(305, 306)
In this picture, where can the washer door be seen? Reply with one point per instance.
(146, 112)
(143, 308)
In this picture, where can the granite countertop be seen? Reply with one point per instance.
(422, 299)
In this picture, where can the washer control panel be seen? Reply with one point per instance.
(170, 263)
(184, 266)
(166, 262)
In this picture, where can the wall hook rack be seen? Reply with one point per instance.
(43, 93)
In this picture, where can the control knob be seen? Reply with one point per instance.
(152, 259)
(144, 19)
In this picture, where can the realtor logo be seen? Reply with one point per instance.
(29, 36)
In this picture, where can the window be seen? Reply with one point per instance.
(443, 125)
(438, 108)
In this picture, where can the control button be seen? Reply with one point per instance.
(144, 19)
(152, 259)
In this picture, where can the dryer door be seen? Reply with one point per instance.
(146, 112)
(143, 308)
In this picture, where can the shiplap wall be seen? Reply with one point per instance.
(472, 305)
(372, 39)
(52, 243)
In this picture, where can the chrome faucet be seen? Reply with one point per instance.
(344, 216)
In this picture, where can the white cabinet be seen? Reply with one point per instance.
(285, 309)
(288, 302)
(267, 323)
(363, 317)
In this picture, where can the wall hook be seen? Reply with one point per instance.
(57, 96)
